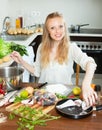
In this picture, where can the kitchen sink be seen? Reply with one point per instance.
(19, 37)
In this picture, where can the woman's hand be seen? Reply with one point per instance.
(89, 95)
(16, 57)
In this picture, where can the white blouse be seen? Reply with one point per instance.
(61, 73)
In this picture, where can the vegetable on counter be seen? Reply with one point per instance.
(33, 118)
(7, 47)
(60, 96)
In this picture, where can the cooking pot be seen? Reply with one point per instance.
(11, 77)
(77, 27)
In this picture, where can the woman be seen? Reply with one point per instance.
(55, 57)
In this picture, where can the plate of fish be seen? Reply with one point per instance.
(73, 108)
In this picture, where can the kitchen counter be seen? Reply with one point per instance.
(92, 122)
(86, 32)
(93, 35)
(27, 41)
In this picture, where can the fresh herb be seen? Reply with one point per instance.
(60, 96)
(11, 116)
(32, 118)
(20, 48)
(19, 99)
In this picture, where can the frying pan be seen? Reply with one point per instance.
(74, 112)
(76, 28)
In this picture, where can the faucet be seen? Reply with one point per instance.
(6, 24)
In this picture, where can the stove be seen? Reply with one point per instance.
(90, 42)
(86, 31)
(88, 39)
(93, 46)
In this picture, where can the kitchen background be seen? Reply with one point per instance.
(35, 11)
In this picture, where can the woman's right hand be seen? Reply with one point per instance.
(16, 57)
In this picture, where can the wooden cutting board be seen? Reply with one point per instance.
(16, 107)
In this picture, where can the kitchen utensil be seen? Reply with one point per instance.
(74, 112)
(11, 77)
(42, 85)
(96, 107)
(77, 27)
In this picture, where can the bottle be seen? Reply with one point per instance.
(98, 91)
(21, 21)
(18, 24)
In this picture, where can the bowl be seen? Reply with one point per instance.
(11, 77)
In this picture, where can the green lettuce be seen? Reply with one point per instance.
(8, 47)
(4, 48)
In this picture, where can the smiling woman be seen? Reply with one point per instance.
(56, 55)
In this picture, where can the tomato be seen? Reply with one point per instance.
(1, 86)
(2, 91)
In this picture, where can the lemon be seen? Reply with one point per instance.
(76, 90)
(24, 94)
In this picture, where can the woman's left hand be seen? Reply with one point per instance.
(89, 95)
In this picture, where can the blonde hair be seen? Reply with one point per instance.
(62, 52)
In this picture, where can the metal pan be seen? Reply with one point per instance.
(74, 112)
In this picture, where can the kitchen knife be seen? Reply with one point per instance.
(41, 85)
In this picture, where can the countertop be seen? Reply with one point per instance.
(26, 42)
(92, 122)
(86, 32)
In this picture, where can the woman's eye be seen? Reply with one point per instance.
(61, 26)
(52, 28)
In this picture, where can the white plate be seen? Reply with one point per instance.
(7, 63)
(58, 88)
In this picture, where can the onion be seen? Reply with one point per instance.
(30, 89)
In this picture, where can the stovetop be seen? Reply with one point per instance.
(87, 31)
(88, 45)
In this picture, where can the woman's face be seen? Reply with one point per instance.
(56, 28)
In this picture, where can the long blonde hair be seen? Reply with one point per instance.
(62, 52)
